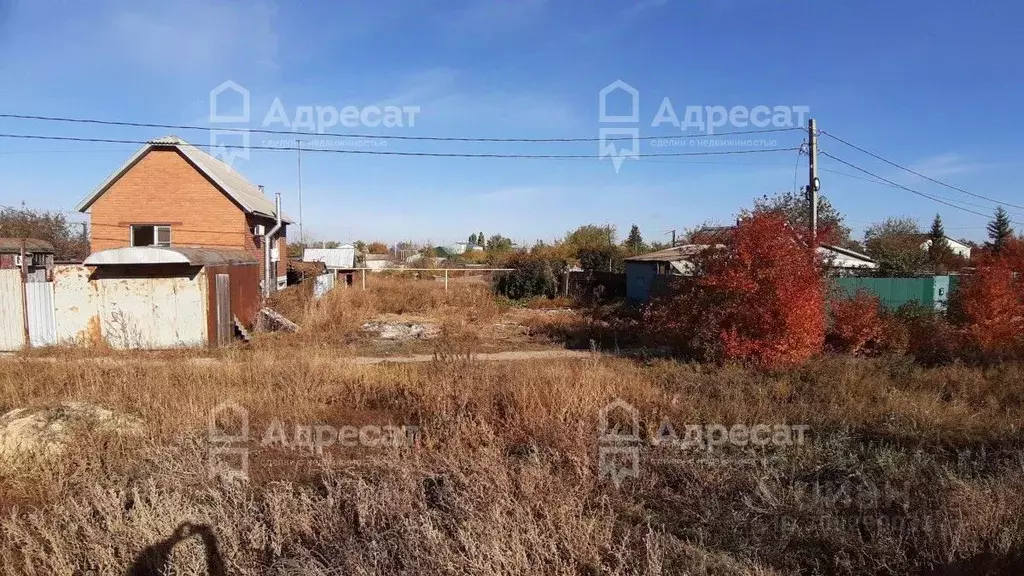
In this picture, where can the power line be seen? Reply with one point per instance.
(918, 174)
(399, 153)
(376, 136)
(880, 183)
(911, 190)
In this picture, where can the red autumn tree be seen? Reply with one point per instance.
(989, 304)
(760, 299)
(855, 322)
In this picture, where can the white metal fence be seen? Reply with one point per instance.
(12, 311)
(42, 324)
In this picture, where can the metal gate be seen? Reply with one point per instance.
(42, 326)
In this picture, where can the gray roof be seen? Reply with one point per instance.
(673, 254)
(244, 193)
(340, 258)
(13, 245)
(146, 255)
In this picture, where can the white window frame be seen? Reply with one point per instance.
(156, 234)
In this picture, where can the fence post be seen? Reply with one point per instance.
(364, 278)
(24, 295)
(446, 279)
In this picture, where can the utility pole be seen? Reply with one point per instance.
(298, 151)
(673, 238)
(813, 184)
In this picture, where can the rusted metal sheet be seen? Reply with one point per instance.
(12, 311)
(245, 295)
(76, 305)
(225, 327)
(42, 328)
(154, 311)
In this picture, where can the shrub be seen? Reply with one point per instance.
(760, 300)
(989, 304)
(531, 276)
(855, 323)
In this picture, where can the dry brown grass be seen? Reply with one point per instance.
(504, 479)
(907, 469)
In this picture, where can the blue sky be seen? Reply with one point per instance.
(935, 85)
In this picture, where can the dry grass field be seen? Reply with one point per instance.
(902, 470)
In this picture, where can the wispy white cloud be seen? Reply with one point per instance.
(946, 164)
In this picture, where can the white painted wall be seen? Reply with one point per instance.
(146, 313)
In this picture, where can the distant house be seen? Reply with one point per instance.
(340, 261)
(377, 262)
(958, 248)
(172, 194)
(340, 258)
(649, 274)
(38, 257)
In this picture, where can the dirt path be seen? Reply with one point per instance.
(509, 356)
(483, 356)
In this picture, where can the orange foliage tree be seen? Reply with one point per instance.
(989, 304)
(855, 322)
(759, 300)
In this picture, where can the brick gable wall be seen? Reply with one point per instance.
(164, 188)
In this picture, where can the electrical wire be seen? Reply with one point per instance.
(902, 187)
(918, 174)
(378, 136)
(399, 153)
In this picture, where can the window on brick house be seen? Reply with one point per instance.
(150, 235)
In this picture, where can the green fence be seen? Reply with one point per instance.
(932, 292)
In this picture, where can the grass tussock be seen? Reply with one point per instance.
(905, 469)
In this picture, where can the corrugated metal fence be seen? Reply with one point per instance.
(42, 325)
(931, 292)
(12, 311)
(323, 284)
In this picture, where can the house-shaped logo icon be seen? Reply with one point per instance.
(219, 100)
(619, 409)
(634, 103)
(228, 414)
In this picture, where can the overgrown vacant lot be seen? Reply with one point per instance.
(903, 470)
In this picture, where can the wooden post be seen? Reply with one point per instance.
(446, 279)
(364, 278)
(24, 295)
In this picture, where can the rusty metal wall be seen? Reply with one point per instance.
(76, 305)
(12, 311)
(42, 329)
(153, 312)
(158, 309)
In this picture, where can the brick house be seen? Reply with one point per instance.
(171, 193)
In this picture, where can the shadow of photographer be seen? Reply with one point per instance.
(154, 560)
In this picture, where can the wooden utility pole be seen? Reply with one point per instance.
(813, 184)
(673, 238)
(24, 294)
(298, 150)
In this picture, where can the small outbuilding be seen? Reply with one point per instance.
(38, 255)
(158, 297)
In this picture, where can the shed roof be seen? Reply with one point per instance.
(673, 254)
(149, 255)
(13, 245)
(226, 178)
(343, 257)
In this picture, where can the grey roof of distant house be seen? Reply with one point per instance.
(13, 245)
(226, 178)
(338, 258)
(673, 254)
